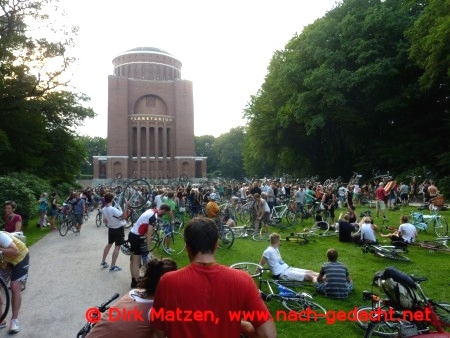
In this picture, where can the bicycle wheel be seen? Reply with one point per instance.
(382, 329)
(261, 236)
(155, 240)
(443, 312)
(135, 193)
(365, 314)
(291, 218)
(245, 216)
(440, 226)
(99, 220)
(302, 305)
(226, 237)
(132, 218)
(63, 227)
(173, 243)
(390, 253)
(253, 269)
(4, 300)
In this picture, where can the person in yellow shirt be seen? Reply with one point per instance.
(15, 254)
(212, 209)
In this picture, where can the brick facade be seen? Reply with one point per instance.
(150, 119)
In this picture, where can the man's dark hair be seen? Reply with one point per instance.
(165, 207)
(201, 235)
(332, 255)
(109, 196)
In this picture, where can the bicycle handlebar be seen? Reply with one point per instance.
(104, 306)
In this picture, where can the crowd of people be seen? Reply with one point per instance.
(207, 280)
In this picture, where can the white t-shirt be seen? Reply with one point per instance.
(112, 215)
(158, 201)
(367, 233)
(274, 260)
(141, 226)
(408, 232)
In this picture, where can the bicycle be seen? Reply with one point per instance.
(438, 244)
(398, 323)
(304, 236)
(388, 251)
(64, 221)
(169, 236)
(280, 212)
(5, 297)
(423, 222)
(93, 317)
(226, 236)
(300, 302)
(243, 231)
(99, 218)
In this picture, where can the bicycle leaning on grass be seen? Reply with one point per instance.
(299, 302)
(417, 322)
(394, 252)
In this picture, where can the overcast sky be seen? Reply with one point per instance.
(225, 48)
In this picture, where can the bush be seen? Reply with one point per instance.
(34, 183)
(14, 189)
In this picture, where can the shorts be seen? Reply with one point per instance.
(381, 205)
(321, 287)
(116, 235)
(20, 270)
(404, 197)
(293, 274)
(77, 219)
(136, 242)
(53, 212)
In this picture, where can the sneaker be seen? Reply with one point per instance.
(104, 265)
(14, 327)
(115, 268)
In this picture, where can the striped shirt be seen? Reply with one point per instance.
(336, 276)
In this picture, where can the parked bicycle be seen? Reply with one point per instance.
(300, 302)
(92, 319)
(435, 221)
(169, 236)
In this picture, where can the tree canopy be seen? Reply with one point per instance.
(38, 115)
(346, 93)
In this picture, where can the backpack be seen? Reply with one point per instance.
(399, 287)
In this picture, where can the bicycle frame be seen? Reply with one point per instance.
(406, 322)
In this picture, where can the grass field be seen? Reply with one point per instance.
(435, 266)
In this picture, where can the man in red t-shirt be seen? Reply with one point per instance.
(380, 194)
(200, 299)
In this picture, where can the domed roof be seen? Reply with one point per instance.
(149, 50)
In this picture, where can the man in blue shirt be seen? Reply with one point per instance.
(78, 206)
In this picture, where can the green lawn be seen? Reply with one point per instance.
(435, 266)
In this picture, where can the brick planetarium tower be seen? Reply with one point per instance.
(150, 119)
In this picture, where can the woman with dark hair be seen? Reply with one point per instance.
(12, 221)
(137, 304)
(53, 210)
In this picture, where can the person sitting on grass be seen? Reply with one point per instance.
(334, 280)
(278, 268)
(406, 232)
(346, 229)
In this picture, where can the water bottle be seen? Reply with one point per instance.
(285, 292)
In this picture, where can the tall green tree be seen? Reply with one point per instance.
(204, 148)
(94, 146)
(344, 95)
(228, 150)
(37, 115)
